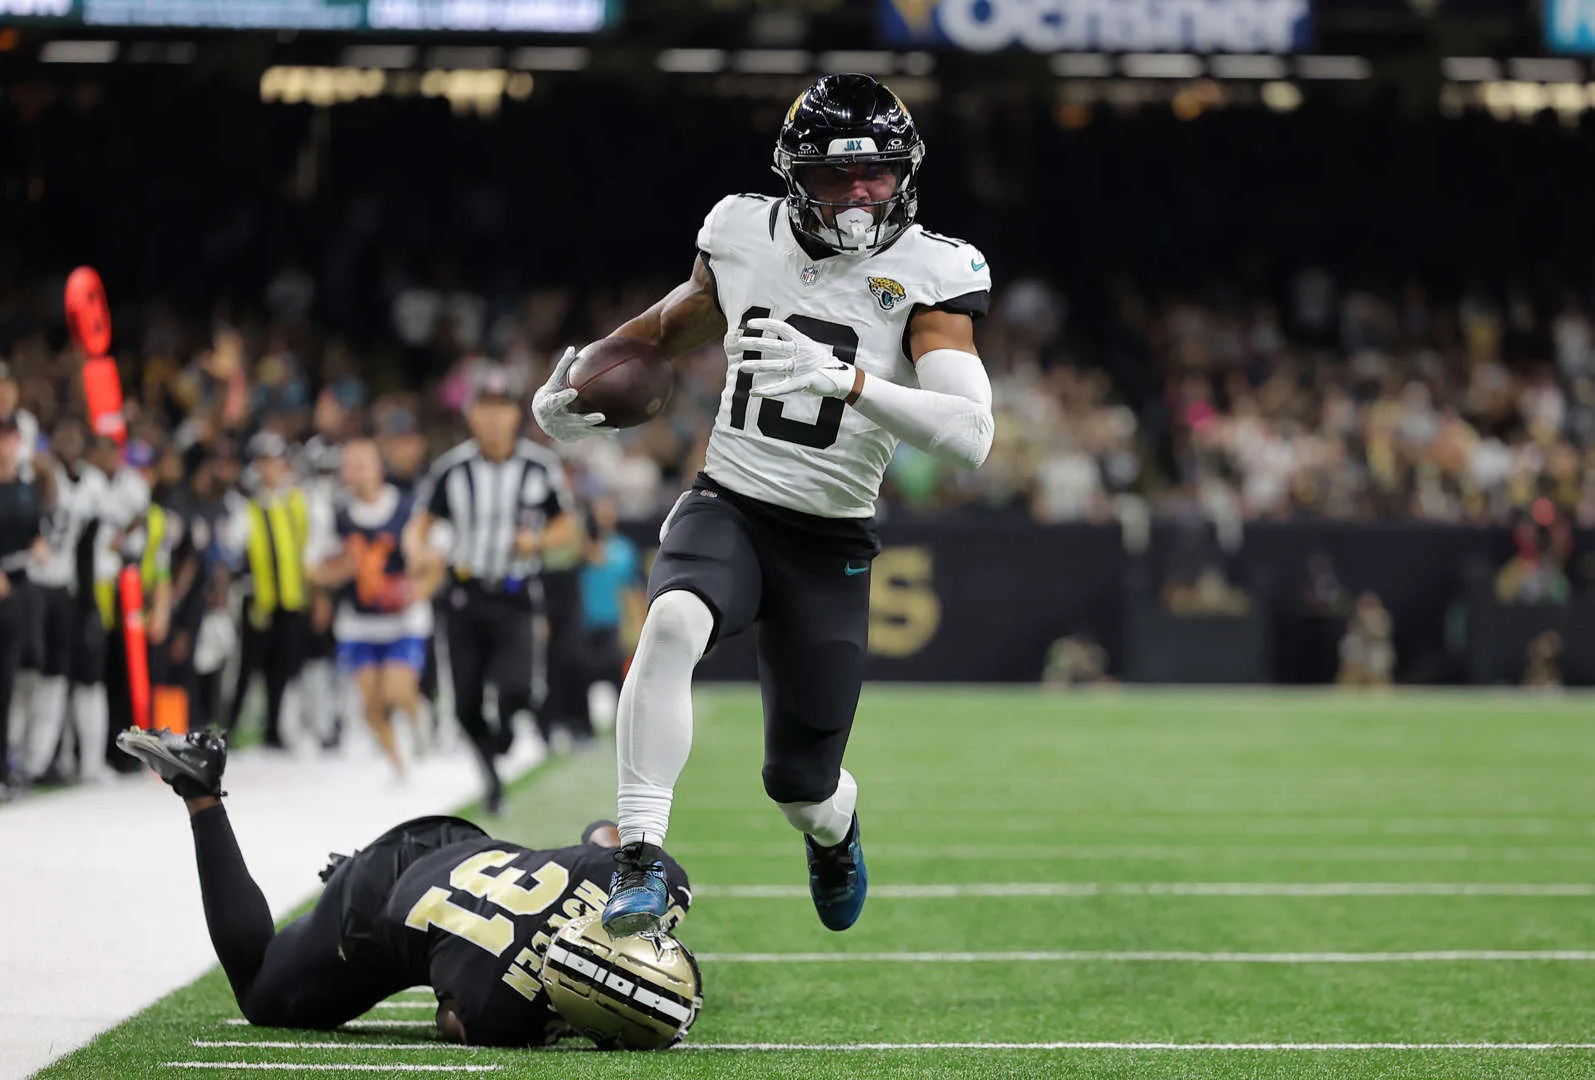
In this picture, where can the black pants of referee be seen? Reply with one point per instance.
(276, 651)
(566, 704)
(490, 641)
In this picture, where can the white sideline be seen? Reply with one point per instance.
(354, 1025)
(1083, 956)
(1161, 888)
(277, 1044)
(105, 914)
(342, 1066)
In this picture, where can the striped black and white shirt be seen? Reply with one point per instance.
(487, 502)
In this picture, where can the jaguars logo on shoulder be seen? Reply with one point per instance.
(888, 293)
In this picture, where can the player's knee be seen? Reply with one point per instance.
(808, 817)
(266, 1010)
(796, 788)
(678, 620)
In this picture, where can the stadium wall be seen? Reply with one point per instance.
(983, 599)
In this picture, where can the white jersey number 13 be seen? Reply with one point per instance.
(828, 424)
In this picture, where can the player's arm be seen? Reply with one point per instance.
(450, 1026)
(687, 319)
(327, 562)
(160, 621)
(562, 531)
(430, 508)
(948, 415)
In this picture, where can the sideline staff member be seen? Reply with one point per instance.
(506, 502)
(21, 516)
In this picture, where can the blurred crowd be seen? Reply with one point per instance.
(1352, 314)
(1351, 405)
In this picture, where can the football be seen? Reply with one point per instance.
(627, 380)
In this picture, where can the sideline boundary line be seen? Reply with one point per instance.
(1158, 957)
(1165, 888)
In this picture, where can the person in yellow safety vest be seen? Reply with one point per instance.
(270, 530)
(135, 533)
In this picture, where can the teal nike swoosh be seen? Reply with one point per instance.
(973, 265)
(851, 571)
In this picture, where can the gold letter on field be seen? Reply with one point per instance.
(904, 611)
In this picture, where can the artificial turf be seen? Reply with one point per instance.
(1149, 796)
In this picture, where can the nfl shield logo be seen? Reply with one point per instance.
(810, 275)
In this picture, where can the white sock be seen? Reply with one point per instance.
(93, 721)
(47, 714)
(653, 727)
(320, 699)
(22, 692)
(827, 821)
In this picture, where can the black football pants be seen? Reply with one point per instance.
(293, 978)
(276, 651)
(566, 704)
(490, 641)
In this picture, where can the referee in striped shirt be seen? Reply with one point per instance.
(494, 504)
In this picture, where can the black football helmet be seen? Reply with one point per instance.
(846, 120)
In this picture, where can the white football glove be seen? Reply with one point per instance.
(808, 366)
(551, 406)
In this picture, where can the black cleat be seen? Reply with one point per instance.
(192, 764)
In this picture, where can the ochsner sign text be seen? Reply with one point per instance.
(1101, 25)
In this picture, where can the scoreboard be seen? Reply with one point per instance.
(525, 16)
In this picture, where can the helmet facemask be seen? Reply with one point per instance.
(849, 231)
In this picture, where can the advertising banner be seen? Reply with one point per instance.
(1204, 26)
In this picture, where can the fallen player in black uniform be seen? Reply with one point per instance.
(432, 902)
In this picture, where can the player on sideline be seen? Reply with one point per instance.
(851, 327)
(384, 617)
(432, 902)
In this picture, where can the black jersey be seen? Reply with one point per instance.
(478, 916)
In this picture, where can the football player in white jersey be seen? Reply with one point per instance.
(850, 328)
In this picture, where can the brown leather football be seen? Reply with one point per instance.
(627, 380)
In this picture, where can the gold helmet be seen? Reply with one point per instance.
(630, 993)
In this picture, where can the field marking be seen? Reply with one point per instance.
(353, 1025)
(1102, 1045)
(273, 1044)
(1161, 888)
(1157, 957)
(345, 1066)
(1188, 1047)
(1186, 852)
(408, 1004)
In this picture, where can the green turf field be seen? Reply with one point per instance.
(1190, 868)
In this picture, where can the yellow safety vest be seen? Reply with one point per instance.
(151, 568)
(277, 533)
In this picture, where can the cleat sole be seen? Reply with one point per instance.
(632, 924)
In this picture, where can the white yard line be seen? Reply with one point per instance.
(1194, 850)
(1442, 956)
(1160, 888)
(427, 1005)
(1275, 1047)
(340, 1066)
(110, 873)
(1187, 1047)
